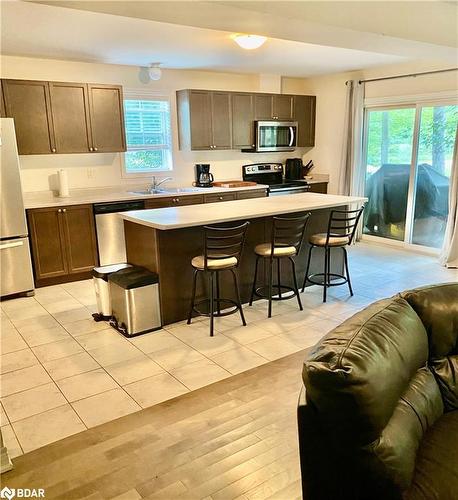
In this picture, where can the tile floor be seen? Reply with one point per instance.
(62, 373)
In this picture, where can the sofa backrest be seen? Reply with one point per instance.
(371, 387)
(437, 307)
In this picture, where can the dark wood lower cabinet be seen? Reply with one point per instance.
(319, 187)
(63, 243)
(174, 201)
(48, 243)
(80, 238)
(251, 193)
(215, 198)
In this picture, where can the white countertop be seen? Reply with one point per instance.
(42, 199)
(200, 215)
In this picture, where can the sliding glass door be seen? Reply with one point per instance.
(408, 158)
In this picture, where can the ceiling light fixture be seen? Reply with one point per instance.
(249, 42)
(155, 72)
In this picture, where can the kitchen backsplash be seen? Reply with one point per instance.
(39, 172)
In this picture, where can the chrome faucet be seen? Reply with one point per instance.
(155, 184)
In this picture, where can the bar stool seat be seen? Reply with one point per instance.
(286, 239)
(320, 240)
(213, 264)
(265, 249)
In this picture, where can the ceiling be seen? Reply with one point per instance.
(178, 35)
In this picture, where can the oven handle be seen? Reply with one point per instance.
(291, 141)
(291, 190)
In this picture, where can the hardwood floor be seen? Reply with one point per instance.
(234, 439)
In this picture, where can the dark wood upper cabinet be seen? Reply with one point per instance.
(107, 118)
(204, 119)
(63, 241)
(200, 106)
(48, 244)
(242, 121)
(80, 239)
(221, 120)
(304, 114)
(263, 107)
(283, 107)
(70, 114)
(28, 102)
(61, 117)
(210, 119)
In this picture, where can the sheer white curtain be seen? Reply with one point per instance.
(352, 174)
(449, 253)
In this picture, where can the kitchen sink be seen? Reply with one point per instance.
(147, 192)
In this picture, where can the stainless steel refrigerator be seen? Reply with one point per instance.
(15, 263)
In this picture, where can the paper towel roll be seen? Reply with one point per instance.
(63, 183)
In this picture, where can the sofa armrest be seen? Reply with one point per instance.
(336, 470)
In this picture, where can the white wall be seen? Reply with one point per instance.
(331, 92)
(104, 169)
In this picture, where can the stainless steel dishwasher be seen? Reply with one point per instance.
(110, 230)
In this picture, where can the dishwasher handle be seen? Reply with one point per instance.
(110, 208)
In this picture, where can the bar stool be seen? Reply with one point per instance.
(222, 251)
(341, 231)
(285, 243)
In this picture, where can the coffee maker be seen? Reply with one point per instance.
(203, 176)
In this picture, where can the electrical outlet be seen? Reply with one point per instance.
(90, 173)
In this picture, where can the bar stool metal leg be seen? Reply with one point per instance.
(193, 298)
(326, 272)
(211, 298)
(239, 302)
(271, 266)
(308, 268)
(218, 305)
(253, 288)
(347, 271)
(296, 290)
(278, 277)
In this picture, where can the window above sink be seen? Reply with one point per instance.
(148, 134)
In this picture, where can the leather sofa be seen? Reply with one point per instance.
(378, 413)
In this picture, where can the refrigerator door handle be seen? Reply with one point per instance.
(11, 245)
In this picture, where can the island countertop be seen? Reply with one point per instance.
(200, 215)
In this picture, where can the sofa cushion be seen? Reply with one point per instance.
(437, 307)
(417, 410)
(357, 373)
(436, 471)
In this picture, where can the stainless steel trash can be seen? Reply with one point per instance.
(135, 301)
(102, 289)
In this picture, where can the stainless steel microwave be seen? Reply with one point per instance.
(275, 136)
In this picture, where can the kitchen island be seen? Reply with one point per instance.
(165, 240)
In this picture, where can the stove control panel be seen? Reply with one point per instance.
(262, 168)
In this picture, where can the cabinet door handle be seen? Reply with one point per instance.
(53, 150)
(64, 210)
(91, 149)
(60, 210)
(221, 198)
(95, 149)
